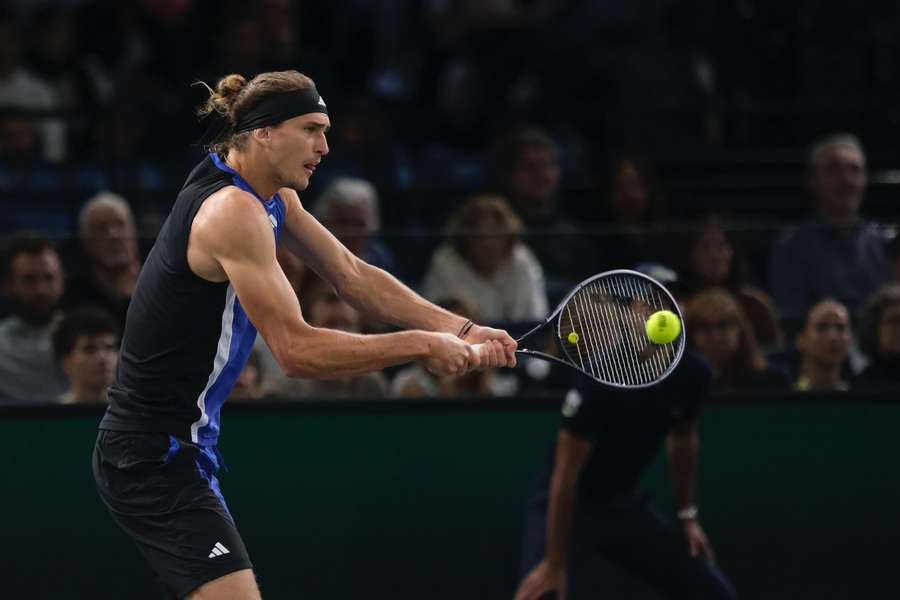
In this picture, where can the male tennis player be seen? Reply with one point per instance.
(210, 282)
(585, 505)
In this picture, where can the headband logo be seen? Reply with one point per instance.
(322, 102)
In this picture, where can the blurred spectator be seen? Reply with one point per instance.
(86, 343)
(714, 260)
(824, 345)
(485, 264)
(107, 230)
(349, 209)
(528, 173)
(19, 138)
(20, 89)
(33, 281)
(632, 205)
(249, 383)
(879, 339)
(416, 382)
(719, 330)
(56, 58)
(323, 308)
(836, 255)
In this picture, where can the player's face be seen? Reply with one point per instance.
(297, 147)
(826, 337)
(889, 331)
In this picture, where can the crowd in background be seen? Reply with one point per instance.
(478, 155)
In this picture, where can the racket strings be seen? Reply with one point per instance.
(608, 316)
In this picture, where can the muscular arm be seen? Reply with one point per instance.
(231, 238)
(683, 450)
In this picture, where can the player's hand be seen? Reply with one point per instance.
(447, 355)
(487, 355)
(478, 334)
(542, 580)
(697, 542)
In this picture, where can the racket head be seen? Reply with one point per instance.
(608, 313)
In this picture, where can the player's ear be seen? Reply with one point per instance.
(262, 135)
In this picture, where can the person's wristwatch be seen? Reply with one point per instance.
(688, 513)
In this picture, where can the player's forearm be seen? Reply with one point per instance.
(327, 353)
(375, 292)
(563, 487)
(684, 454)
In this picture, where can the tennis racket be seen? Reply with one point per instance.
(607, 314)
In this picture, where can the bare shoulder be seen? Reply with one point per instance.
(229, 218)
(291, 198)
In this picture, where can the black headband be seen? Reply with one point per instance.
(269, 111)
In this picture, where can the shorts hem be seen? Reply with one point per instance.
(211, 575)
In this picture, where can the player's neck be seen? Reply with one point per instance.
(255, 171)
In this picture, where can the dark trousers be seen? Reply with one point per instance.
(626, 532)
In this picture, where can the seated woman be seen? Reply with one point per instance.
(879, 339)
(718, 329)
(824, 345)
(715, 260)
(485, 264)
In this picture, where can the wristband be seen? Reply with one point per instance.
(465, 329)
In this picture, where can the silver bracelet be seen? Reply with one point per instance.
(688, 513)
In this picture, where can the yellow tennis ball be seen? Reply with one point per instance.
(663, 327)
(573, 338)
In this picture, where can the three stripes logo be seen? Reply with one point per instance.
(219, 550)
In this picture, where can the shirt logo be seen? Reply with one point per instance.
(274, 221)
(571, 403)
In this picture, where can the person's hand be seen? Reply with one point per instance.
(478, 335)
(448, 355)
(697, 542)
(542, 580)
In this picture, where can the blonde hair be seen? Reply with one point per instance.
(459, 229)
(233, 96)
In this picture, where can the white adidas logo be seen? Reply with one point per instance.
(219, 550)
(274, 221)
(322, 101)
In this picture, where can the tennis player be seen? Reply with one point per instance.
(585, 506)
(210, 282)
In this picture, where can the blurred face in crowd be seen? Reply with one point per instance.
(110, 237)
(826, 336)
(489, 245)
(535, 179)
(247, 385)
(92, 362)
(717, 337)
(350, 224)
(889, 331)
(35, 286)
(629, 199)
(711, 257)
(838, 182)
(329, 311)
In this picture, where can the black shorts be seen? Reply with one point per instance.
(163, 492)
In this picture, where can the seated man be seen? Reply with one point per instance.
(585, 504)
(32, 279)
(86, 344)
